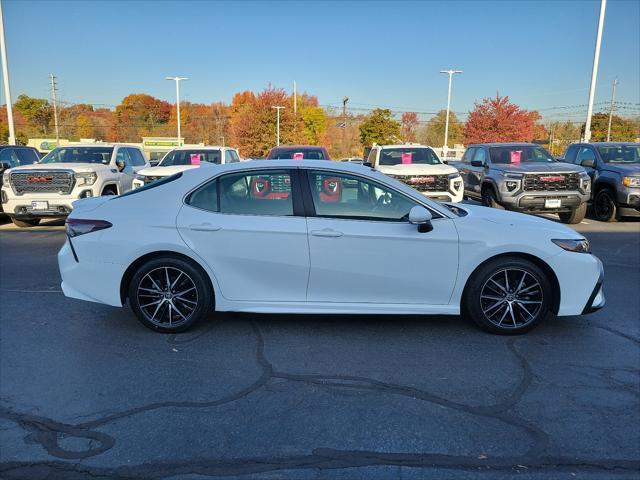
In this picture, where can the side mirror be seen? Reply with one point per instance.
(421, 217)
(477, 163)
(367, 164)
(120, 164)
(588, 162)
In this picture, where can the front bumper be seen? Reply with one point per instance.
(25, 206)
(444, 196)
(596, 299)
(537, 201)
(629, 201)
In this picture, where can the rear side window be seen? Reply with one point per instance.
(265, 192)
(205, 197)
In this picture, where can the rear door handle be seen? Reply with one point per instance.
(204, 227)
(326, 232)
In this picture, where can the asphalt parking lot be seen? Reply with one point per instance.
(88, 392)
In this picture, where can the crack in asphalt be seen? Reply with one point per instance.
(49, 433)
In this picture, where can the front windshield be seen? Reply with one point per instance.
(79, 155)
(399, 156)
(620, 153)
(519, 154)
(190, 157)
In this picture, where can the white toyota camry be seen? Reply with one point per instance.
(319, 237)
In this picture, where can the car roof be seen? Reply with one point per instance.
(284, 163)
(403, 145)
(612, 144)
(300, 147)
(504, 144)
(207, 147)
(98, 145)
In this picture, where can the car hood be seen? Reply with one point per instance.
(629, 169)
(165, 171)
(76, 167)
(537, 167)
(416, 169)
(519, 220)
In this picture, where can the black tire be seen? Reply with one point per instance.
(25, 222)
(604, 206)
(574, 216)
(510, 317)
(167, 312)
(490, 199)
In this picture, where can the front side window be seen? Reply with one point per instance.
(10, 157)
(570, 156)
(79, 155)
(27, 156)
(230, 156)
(190, 157)
(340, 195)
(519, 154)
(620, 153)
(136, 157)
(468, 155)
(266, 192)
(585, 153)
(481, 155)
(398, 156)
(123, 155)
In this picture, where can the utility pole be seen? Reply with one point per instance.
(177, 80)
(594, 71)
(55, 107)
(5, 75)
(612, 107)
(445, 147)
(278, 125)
(295, 99)
(344, 127)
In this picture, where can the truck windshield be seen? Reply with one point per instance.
(190, 157)
(620, 153)
(79, 155)
(399, 156)
(519, 154)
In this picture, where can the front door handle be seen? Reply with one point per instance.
(326, 232)
(204, 227)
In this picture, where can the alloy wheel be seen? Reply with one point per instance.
(511, 298)
(167, 296)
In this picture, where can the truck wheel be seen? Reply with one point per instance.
(25, 222)
(604, 207)
(574, 216)
(490, 199)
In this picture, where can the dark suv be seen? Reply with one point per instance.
(15, 156)
(298, 152)
(614, 168)
(526, 178)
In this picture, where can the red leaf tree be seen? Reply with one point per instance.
(498, 120)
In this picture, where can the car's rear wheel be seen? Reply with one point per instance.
(574, 216)
(25, 222)
(490, 199)
(507, 296)
(604, 207)
(170, 295)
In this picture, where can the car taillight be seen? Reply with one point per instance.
(77, 226)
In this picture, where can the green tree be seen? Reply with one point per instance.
(433, 133)
(37, 112)
(622, 129)
(314, 121)
(379, 127)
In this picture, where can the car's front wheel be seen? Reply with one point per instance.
(170, 295)
(509, 295)
(604, 206)
(25, 222)
(490, 199)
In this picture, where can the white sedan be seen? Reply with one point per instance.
(319, 237)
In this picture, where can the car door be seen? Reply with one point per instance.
(476, 174)
(362, 248)
(126, 175)
(463, 166)
(247, 228)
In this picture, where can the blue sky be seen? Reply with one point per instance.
(377, 53)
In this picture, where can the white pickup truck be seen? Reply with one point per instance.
(47, 189)
(419, 167)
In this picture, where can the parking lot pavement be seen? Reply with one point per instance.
(86, 391)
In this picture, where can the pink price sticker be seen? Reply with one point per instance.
(406, 158)
(515, 156)
(298, 156)
(196, 158)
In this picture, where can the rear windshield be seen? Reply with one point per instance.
(298, 154)
(79, 155)
(519, 154)
(399, 156)
(620, 153)
(190, 157)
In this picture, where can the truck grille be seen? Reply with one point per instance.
(551, 182)
(43, 181)
(426, 183)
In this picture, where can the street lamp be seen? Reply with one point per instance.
(5, 74)
(177, 80)
(446, 125)
(594, 71)
(278, 125)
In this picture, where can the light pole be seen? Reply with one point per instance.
(594, 71)
(5, 74)
(177, 80)
(278, 125)
(446, 125)
(344, 128)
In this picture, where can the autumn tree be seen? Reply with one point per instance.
(433, 133)
(139, 114)
(622, 129)
(562, 134)
(36, 111)
(379, 127)
(498, 120)
(409, 126)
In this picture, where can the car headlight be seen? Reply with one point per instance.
(631, 181)
(578, 246)
(514, 175)
(86, 178)
(6, 178)
(585, 181)
(454, 175)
